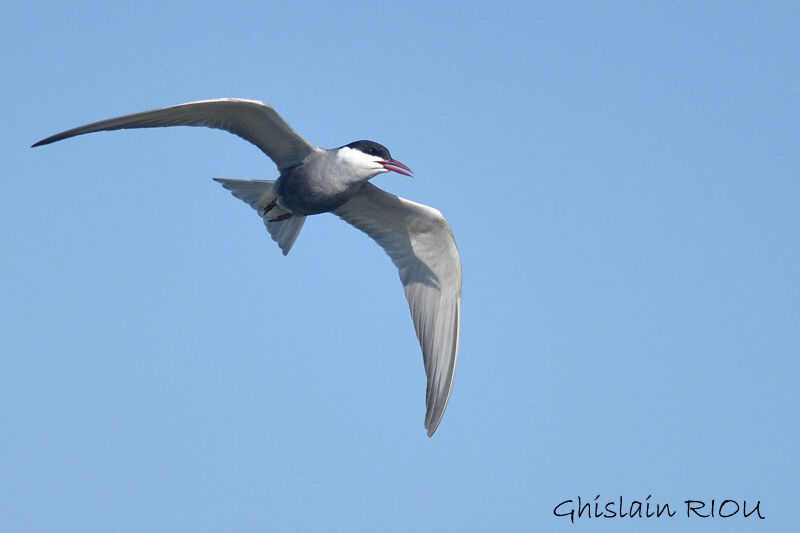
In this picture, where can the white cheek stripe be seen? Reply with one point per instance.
(356, 157)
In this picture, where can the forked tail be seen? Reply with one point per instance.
(261, 196)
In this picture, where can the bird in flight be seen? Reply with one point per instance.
(315, 180)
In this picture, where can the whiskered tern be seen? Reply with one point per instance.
(315, 180)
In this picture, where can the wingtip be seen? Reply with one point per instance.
(48, 140)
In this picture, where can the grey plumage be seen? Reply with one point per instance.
(313, 180)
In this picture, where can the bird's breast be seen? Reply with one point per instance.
(306, 190)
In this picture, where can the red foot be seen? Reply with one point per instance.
(269, 208)
(280, 218)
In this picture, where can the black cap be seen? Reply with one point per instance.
(371, 148)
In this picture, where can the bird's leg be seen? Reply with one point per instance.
(269, 208)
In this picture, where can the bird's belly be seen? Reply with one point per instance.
(303, 196)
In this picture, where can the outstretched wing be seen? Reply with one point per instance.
(253, 121)
(420, 243)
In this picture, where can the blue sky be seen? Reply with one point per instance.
(622, 182)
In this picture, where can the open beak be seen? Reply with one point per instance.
(397, 166)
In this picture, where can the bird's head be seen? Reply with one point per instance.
(371, 158)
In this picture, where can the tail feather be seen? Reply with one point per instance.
(260, 194)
